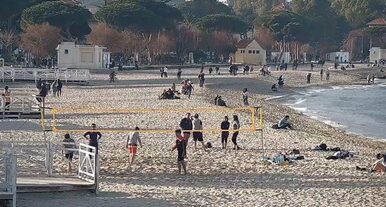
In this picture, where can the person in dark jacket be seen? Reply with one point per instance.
(224, 133)
(187, 127)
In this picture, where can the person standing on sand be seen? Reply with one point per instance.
(201, 78)
(60, 86)
(181, 151)
(162, 72)
(197, 132)
(165, 72)
(179, 72)
(69, 149)
(93, 137)
(309, 78)
(236, 127)
(321, 74)
(186, 126)
(132, 144)
(189, 88)
(327, 75)
(217, 70)
(225, 133)
(245, 97)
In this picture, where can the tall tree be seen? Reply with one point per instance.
(359, 12)
(8, 40)
(40, 40)
(196, 9)
(221, 22)
(142, 15)
(72, 19)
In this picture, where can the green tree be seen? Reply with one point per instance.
(359, 12)
(326, 29)
(72, 19)
(10, 11)
(288, 26)
(142, 15)
(221, 22)
(196, 9)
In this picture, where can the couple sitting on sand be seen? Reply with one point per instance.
(168, 94)
(219, 102)
(378, 166)
(284, 123)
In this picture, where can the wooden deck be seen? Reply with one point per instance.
(51, 184)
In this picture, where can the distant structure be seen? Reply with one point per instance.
(339, 57)
(249, 51)
(379, 22)
(377, 54)
(71, 55)
(280, 7)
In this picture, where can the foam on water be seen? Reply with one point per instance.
(359, 109)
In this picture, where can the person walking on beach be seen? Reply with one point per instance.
(312, 66)
(69, 149)
(93, 137)
(162, 72)
(217, 70)
(54, 87)
(179, 73)
(60, 86)
(225, 133)
(165, 72)
(327, 75)
(189, 88)
(181, 151)
(201, 78)
(245, 97)
(210, 70)
(197, 132)
(186, 126)
(132, 144)
(321, 74)
(236, 127)
(309, 78)
(280, 81)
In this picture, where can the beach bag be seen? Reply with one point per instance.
(295, 151)
(275, 126)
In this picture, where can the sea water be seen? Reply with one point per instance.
(356, 109)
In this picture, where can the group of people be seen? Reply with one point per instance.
(164, 72)
(44, 88)
(265, 70)
(218, 101)
(169, 94)
(187, 87)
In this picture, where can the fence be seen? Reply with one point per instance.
(68, 75)
(8, 177)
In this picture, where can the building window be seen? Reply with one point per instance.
(253, 51)
(257, 52)
(66, 52)
(250, 51)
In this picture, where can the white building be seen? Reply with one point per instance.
(377, 54)
(249, 51)
(71, 55)
(339, 57)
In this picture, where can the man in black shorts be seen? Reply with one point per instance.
(180, 146)
(225, 134)
(93, 137)
(197, 132)
(69, 148)
(186, 126)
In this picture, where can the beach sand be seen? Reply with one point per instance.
(217, 177)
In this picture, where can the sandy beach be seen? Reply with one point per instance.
(217, 177)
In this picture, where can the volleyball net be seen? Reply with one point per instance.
(150, 120)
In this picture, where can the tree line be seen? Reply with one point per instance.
(155, 31)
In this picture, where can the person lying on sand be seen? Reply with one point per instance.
(378, 166)
(340, 155)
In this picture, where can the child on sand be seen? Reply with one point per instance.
(132, 143)
(180, 146)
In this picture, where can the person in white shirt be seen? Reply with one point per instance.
(197, 135)
(132, 143)
(165, 72)
(245, 97)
